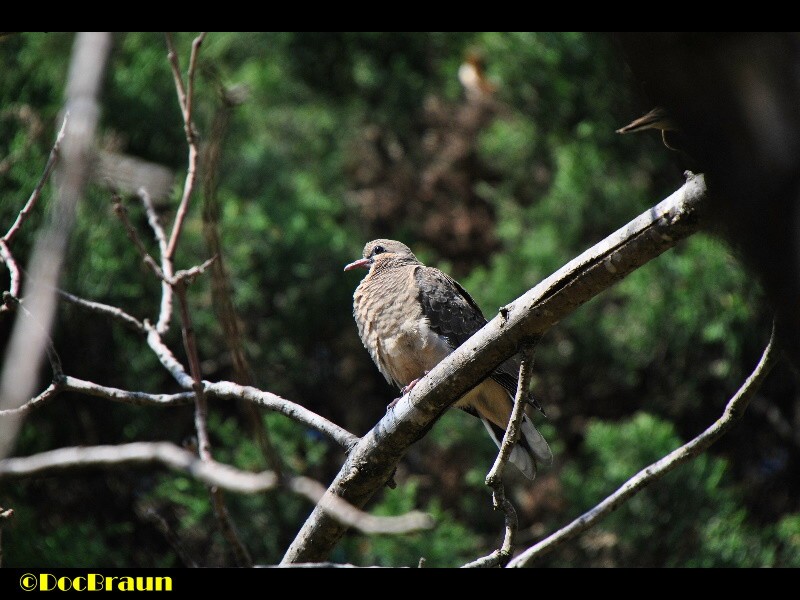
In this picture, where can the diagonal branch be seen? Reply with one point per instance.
(211, 473)
(733, 412)
(133, 236)
(296, 412)
(370, 464)
(37, 191)
(104, 309)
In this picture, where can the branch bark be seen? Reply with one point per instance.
(733, 412)
(372, 461)
(210, 472)
(223, 390)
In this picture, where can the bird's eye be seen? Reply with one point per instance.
(378, 250)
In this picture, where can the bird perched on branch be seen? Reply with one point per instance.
(410, 317)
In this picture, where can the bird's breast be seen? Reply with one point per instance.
(392, 328)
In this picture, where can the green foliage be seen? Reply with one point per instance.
(690, 517)
(449, 544)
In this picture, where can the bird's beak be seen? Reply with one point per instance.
(360, 263)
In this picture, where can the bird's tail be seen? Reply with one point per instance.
(531, 449)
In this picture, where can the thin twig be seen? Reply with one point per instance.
(48, 394)
(130, 230)
(104, 309)
(172, 56)
(733, 412)
(494, 479)
(226, 524)
(37, 191)
(185, 99)
(188, 276)
(228, 527)
(210, 473)
(221, 289)
(190, 345)
(150, 514)
(190, 87)
(179, 283)
(270, 401)
(165, 311)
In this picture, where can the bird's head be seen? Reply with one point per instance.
(379, 254)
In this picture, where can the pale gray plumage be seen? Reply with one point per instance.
(410, 317)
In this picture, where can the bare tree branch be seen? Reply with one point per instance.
(185, 99)
(104, 309)
(270, 401)
(48, 394)
(37, 191)
(494, 479)
(209, 472)
(73, 384)
(733, 412)
(221, 289)
(165, 311)
(133, 236)
(151, 515)
(222, 390)
(179, 283)
(168, 360)
(174, 63)
(26, 348)
(370, 464)
(187, 276)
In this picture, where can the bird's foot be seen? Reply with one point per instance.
(405, 391)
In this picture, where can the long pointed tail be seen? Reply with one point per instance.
(531, 449)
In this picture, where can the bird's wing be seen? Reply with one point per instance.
(454, 315)
(450, 310)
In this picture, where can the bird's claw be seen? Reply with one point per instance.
(404, 391)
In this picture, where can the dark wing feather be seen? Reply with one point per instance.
(455, 316)
(451, 311)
